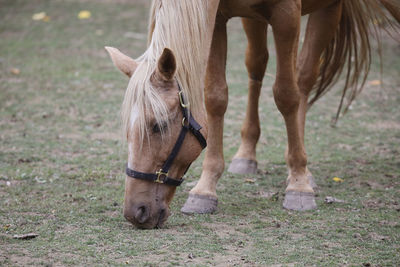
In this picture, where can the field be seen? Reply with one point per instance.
(62, 158)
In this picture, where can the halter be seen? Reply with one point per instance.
(188, 124)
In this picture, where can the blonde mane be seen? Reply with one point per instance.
(179, 26)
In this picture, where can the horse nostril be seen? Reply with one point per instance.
(162, 216)
(163, 212)
(142, 214)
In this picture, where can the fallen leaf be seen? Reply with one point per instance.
(377, 21)
(250, 181)
(269, 195)
(375, 82)
(337, 179)
(330, 200)
(39, 16)
(15, 71)
(46, 19)
(84, 14)
(25, 236)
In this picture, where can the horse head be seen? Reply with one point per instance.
(163, 137)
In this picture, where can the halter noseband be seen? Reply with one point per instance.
(188, 124)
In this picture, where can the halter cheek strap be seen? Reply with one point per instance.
(188, 124)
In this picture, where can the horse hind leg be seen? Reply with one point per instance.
(244, 161)
(321, 27)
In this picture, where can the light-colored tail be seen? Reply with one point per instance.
(350, 49)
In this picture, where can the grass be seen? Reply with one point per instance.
(61, 162)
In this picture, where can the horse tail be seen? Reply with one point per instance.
(393, 8)
(350, 48)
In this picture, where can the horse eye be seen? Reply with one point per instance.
(157, 128)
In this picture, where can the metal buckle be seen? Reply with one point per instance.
(159, 174)
(181, 100)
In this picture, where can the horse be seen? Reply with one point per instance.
(177, 93)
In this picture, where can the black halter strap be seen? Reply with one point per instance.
(188, 124)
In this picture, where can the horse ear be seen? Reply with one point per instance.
(124, 63)
(166, 66)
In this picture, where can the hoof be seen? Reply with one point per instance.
(312, 181)
(243, 166)
(200, 204)
(299, 201)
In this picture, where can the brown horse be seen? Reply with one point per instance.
(186, 36)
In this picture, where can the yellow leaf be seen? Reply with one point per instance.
(84, 14)
(15, 71)
(250, 181)
(39, 16)
(46, 19)
(337, 179)
(375, 82)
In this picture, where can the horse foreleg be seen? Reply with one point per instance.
(203, 197)
(244, 160)
(285, 22)
(321, 28)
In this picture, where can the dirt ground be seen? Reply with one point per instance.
(62, 161)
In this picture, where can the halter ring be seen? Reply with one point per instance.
(182, 102)
(159, 174)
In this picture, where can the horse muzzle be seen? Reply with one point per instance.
(146, 216)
